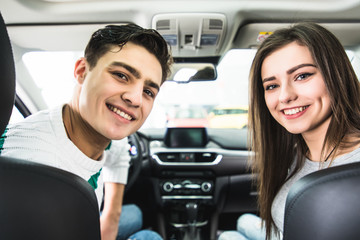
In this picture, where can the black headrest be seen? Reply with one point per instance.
(325, 205)
(41, 202)
(7, 77)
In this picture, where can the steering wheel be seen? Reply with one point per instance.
(135, 161)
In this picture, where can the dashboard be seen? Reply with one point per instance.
(196, 175)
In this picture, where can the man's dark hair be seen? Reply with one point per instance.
(105, 38)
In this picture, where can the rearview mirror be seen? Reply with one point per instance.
(187, 72)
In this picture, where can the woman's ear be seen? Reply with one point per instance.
(80, 70)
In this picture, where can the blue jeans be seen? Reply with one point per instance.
(248, 228)
(130, 225)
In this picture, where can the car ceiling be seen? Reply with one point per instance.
(41, 23)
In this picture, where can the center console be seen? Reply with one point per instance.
(187, 194)
(186, 183)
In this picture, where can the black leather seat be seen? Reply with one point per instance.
(325, 205)
(37, 201)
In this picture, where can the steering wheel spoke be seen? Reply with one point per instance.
(136, 160)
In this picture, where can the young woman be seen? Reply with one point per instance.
(304, 115)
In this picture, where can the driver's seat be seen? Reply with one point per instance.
(37, 201)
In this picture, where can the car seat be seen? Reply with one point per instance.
(325, 205)
(37, 201)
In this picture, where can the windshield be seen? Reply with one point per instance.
(215, 104)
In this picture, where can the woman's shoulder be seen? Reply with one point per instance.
(350, 157)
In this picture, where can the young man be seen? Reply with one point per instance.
(117, 82)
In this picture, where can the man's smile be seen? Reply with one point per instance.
(119, 112)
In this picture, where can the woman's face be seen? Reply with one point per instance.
(295, 91)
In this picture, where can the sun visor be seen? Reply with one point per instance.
(192, 34)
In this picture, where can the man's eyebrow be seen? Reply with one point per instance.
(136, 73)
(132, 70)
(152, 84)
(291, 70)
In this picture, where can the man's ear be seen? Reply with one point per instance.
(80, 70)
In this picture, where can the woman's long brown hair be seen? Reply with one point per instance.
(275, 149)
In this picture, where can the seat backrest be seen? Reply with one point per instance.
(38, 201)
(325, 205)
(7, 77)
(42, 202)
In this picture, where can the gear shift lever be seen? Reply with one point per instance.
(192, 212)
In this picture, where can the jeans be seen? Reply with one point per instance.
(145, 235)
(130, 225)
(248, 228)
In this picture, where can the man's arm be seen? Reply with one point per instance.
(110, 216)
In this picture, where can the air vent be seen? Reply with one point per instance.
(215, 24)
(188, 157)
(163, 25)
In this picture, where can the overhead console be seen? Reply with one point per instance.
(192, 34)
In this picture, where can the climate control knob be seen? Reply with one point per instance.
(206, 187)
(168, 186)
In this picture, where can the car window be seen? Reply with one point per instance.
(16, 116)
(222, 103)
(177, 105)
(218, 103)
(53, 74)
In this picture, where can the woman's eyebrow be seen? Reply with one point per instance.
(291, 70)
(268, 79)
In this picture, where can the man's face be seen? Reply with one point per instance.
(117, 95)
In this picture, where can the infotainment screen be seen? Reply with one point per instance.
(186, 137)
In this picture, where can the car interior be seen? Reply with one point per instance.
(47, 202)
(190, 175)
(311, 205)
